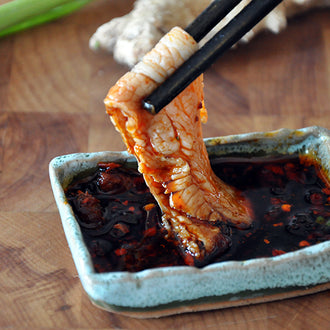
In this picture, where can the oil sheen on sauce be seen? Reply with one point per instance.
(120, 219)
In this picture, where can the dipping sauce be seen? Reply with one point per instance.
(121, 221)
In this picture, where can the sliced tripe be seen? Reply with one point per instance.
(171, 153)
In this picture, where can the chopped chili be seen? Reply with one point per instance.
(303, 243)
(276, 252)
(286, 207)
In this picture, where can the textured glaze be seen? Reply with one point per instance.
(161, 288)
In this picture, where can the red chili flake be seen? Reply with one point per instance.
(125, 203)
(289, 166)
(149, 207)
(150, 231)
(286, 207)
(326, 191)
(276, 252)
(121, 227)
(276, 169)
(304, 243)
(109, 166)
(131, 208)
(120, 252)
(189, 260)
(279, 224)
(266, 241)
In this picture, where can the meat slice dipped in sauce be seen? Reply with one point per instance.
(197, 206)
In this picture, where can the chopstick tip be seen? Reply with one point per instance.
(147, 105)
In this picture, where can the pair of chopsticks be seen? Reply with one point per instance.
(242, 23)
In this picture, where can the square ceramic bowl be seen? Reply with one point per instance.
(178, 289)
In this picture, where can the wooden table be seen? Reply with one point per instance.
(51, 92)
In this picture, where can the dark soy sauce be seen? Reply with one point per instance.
(121, 221)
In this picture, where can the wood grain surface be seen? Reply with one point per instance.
(51, 103)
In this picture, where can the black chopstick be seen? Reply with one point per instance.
(243, 22)
(210, 17)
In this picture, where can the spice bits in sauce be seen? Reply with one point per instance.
(121, 221)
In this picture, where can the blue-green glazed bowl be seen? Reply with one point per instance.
(179, 289)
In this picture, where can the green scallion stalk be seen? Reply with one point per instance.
(19, 15)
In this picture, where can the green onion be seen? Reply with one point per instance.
(19, 15)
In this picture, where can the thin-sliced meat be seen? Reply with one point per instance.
(197, 206)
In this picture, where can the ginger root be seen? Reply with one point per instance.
(129, 37)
